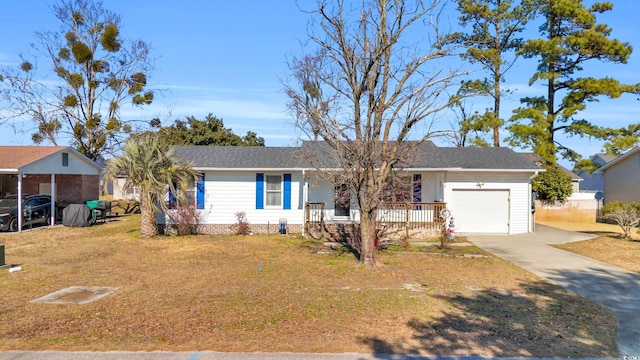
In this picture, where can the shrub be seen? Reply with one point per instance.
(626, 215)
(552, 185)
(241, 227)
(185, 219)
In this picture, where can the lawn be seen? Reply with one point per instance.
(609, 247)
(283, 294)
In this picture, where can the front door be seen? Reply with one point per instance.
(342, 201)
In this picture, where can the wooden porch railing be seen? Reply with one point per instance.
(413, 215)
(314, 216)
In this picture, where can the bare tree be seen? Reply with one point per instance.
(370, 94)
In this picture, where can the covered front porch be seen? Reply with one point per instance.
(393, 220)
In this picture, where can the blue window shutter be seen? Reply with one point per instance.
(287, 192)
(200, 192)
(259, 191)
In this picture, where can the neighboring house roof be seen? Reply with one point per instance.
(618, 159)
(537, 159)
(16, 157)
(425, 156)
(33, 159)
(602, 159)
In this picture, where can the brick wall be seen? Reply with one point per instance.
(72, 189)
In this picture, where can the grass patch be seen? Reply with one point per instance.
(610, 246)
(248, 293)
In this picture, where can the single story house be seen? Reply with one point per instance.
(59, 171)
(621, 177)
(488, 190)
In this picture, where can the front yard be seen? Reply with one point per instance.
(279, 293)
(609, 247)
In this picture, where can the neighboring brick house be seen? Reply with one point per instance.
(60, 171)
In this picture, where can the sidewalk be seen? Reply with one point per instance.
(611, 286)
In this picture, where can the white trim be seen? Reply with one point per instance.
(617, 160)
(266, 191)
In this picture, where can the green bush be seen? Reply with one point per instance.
(552, 185)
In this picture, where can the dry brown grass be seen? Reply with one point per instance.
(257, 293)
(610, 247)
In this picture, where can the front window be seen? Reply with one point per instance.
(274, 190)
(189, 195)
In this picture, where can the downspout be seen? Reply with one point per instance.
(19, 201)
(532, 222)
(304, 201)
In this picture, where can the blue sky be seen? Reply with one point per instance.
(229, 58)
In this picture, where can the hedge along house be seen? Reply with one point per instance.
(59, 171)
(488, 190)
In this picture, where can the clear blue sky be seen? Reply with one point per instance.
(229, 58)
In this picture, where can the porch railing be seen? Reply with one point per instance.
(413, 215)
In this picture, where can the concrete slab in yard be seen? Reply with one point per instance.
(76, 295)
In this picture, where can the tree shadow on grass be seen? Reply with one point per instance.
(539, 319)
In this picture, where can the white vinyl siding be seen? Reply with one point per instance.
(622, 180)
(229, 192)
(517, 184)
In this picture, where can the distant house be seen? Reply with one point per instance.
(488, 190)
(59, 171)
(594, 181)
(576, 180)
(621, 177)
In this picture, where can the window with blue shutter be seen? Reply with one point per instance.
(287, 192)
(200, 192)
(259, 191)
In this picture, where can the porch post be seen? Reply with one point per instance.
(52, 212)
(19, 201)
(304, 202)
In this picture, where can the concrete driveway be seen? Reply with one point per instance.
(611, 286)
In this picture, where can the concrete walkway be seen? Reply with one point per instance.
(611, 286)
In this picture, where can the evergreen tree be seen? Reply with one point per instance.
(571, 38)
(495, 25)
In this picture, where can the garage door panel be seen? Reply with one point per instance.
(480, 211)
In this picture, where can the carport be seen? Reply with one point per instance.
(58, 171)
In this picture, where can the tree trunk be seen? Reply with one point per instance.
(367, 238)
(148, 226)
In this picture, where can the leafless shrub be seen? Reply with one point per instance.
(241, 227)
(185, 219)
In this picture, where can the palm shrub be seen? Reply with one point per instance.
(151, 164)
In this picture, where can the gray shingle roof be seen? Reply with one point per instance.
(424, 156)
(535, 158)
(241, 157)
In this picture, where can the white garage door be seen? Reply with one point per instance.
(480, 211)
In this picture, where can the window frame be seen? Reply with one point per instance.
(280, 190)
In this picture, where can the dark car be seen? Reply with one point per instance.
(36, 209)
